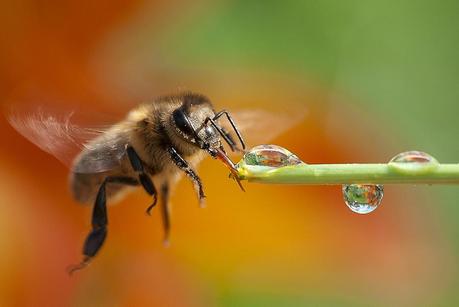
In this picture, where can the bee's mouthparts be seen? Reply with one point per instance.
(221, 155)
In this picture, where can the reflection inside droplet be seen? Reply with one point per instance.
(270, 155)
(363, 198)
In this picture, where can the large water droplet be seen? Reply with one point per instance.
(270, 155)
(413, 161)
(363, 198)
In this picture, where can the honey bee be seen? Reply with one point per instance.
(151, 148)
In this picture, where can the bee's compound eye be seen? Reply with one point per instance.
(210, 131)
(182, 122)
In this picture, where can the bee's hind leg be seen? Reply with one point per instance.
(145, 180)
(96, 237)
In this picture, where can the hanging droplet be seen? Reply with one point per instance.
(413, 161)
(363, 198)
(270, 155)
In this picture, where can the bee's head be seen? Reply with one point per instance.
(191, 121)
(195, 121)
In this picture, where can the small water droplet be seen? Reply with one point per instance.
(413, 157)
(270, 155)
(413, 161)
(363, 198)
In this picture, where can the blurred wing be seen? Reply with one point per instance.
(98, 150)
(260, 126)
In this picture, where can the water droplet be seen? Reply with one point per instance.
(413, 161)
(413, 156)
(270, 155)
(363, 198)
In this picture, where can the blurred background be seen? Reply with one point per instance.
(375, 78)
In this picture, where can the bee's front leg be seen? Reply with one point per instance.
(184, 166)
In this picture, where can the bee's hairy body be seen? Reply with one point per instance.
(149, 131)
(151, 148)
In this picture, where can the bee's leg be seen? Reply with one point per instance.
(144, 179)
(165, 212)
(183, 165)
(148, 185)
(96, 237)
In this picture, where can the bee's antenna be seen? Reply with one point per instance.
(230, 119)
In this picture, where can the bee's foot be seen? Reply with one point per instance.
(202, 202)
(166, 242)
(239, 183)
(76, 267)
(148, 211)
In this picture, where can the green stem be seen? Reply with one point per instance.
(410, 173)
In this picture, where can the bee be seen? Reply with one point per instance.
(151, 148)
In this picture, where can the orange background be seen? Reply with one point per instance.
(273, 245)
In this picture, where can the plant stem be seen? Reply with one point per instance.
(329, 174)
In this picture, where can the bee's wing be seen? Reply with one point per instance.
(97, 151)
(260, 126)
